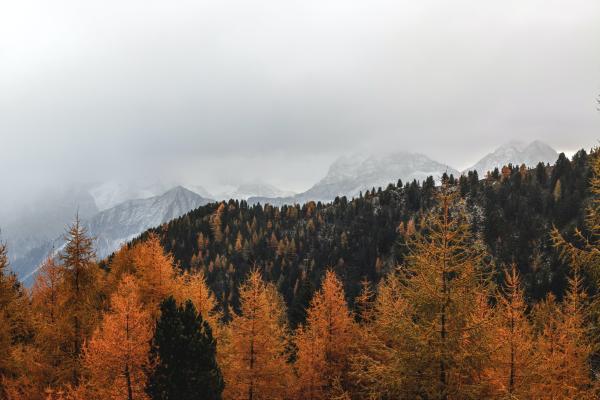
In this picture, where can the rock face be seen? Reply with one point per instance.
(350, 175)
(115, 226)
(517, 154)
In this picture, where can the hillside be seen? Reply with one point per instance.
(363, 238)
(350, 175)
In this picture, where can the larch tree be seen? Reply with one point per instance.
(183, 353)
(255, 358)
(193, 286)
(514, 367)
(326, 342)
(16, 327)
(443, 293)
(6, 324)
(48, 315)
(121, 263)
(565, 347)
(46, 291)
(582, 254)
(79, 298)
(155, 272)
(116, 357)
(382, 369)
(216, 223)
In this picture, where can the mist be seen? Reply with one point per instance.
(218, 93)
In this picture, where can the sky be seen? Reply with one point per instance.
(222, 92)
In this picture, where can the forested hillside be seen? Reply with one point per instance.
(512, 211)
(474, 289)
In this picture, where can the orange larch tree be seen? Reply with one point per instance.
(254, 356)
(193, 286)
(155, 272)
(116, 357)
(79, 299)
(565, 346)
(513, 369)
(326, 342)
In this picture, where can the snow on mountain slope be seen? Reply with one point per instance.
(109, 194)
(517, 154)
(256, 189)
(349, 175)
(115, 226)
(198, 189)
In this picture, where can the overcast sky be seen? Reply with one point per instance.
(224, 91)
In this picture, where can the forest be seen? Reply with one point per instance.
(469, 288)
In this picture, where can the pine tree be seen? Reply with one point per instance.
(256, 361)
(325, 342)
(116, 357)
(183, 351)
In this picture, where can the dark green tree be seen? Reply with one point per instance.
(183, 351)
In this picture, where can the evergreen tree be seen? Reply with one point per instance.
(183, 351)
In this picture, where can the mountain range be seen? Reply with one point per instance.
(116, 211)
(516, 153)
(349, 175)
(113, 227)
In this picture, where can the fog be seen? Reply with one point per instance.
(216, 93)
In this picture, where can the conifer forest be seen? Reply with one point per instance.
(473, 288)
(299, 200)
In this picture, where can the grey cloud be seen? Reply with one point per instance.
(219, 91)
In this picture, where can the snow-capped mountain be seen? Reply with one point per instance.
(109, 194)
(516, 153)
(115, 226)
(349, 175)
(198, 189)
(256, 189)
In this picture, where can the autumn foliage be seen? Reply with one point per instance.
(446, 323)
(116, 357)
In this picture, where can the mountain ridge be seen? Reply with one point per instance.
(115, 226)
(515, 153)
